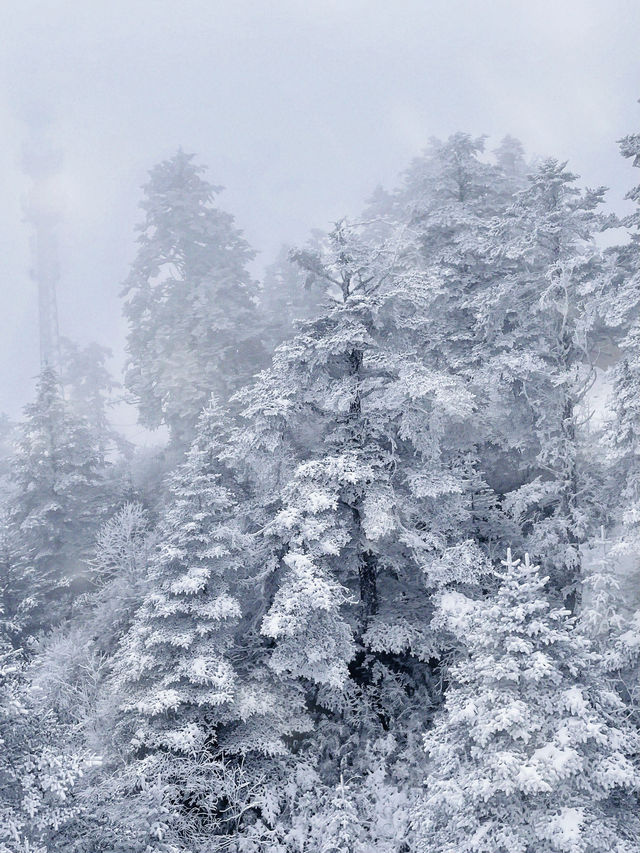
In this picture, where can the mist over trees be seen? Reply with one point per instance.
(378, 591)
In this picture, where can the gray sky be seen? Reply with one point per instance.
(298, 107)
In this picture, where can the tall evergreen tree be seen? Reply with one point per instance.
(58, 502)
(622, 432)
(352, 452)
(357, 457)
(189, 300)
(193, 689)
(537, 332)
(445, 216)
(622, 445)
(89, 388)
(445, 212)
(365, 444)
(37, 775)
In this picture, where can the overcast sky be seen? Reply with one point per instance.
(298, 107)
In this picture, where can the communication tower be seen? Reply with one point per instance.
(42, 163)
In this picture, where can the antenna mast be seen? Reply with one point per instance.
(41, 163)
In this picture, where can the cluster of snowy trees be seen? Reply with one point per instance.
(377, 591)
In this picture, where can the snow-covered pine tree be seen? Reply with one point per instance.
(189, 301)
(444, 212)
(358, 456)
(89, 390)
(537, 338)
(444, 217)
(174, 671)
(531, 750)
(57, 504)
(37, 774)
(338, 825)
(622, 444)
(359, 448)
(193, 686)
(622, 430)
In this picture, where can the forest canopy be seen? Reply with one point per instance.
(377, 590)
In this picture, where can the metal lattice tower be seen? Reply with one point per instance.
(41, 163)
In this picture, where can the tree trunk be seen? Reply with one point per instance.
(367, 560)
(568, 500)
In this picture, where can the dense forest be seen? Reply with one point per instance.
(378, 590)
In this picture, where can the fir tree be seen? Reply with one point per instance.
(621, 440)
(192, 691)
(358, 460)
(89, 387)
(537, 332)
(175, 660)
(37, 775)
(446, 210)
(444, 217)
(365, 445)
(622, 431)
(341, 832)
(58, 503)
(531, 751)
(189, 301)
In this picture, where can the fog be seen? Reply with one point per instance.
(298, 108)
(355, 566)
